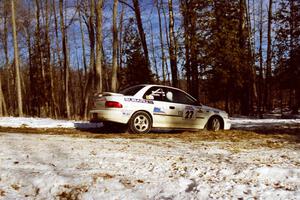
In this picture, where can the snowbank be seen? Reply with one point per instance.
(247, 123)
(16, 122)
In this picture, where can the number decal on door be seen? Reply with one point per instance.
(189, 114)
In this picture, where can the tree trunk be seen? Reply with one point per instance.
(66, 59)
(3, 110)
(16, 58)
(294, 53)
(90, 79)
(260, 82)
(53, 104)
(120, 46)
(141, 30)
(5, 48)
(269, 61)
(115, 49)
(98, 75)
(173, 57)
(163, 57)
(186, 22)
(83, 45)
(251, 55)
(60, 106)
(153, 53)
(167, 41)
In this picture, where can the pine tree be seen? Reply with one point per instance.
(288, 50)
(136, 71)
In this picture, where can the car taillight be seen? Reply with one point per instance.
(113, 104)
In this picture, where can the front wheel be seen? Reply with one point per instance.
(140, 122)
(214, 124)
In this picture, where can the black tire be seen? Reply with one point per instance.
(140, 122)
(214, 124)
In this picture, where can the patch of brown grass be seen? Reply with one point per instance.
(104, 176)
(15, 186)
(239, 139)
(2, 193)
(72, 192)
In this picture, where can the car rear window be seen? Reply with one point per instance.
(131, 91)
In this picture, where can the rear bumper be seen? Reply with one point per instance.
(109, 115)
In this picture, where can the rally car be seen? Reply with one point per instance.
(143, 107)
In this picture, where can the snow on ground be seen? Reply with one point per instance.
(16, 122)
(248, 123)
(53, 167)
(30, 122)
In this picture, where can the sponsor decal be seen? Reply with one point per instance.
(138, 100)
(189, 108)
(126, 112)
(158, 110)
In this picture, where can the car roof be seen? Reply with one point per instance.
(157, 85)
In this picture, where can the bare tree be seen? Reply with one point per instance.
(139, 22)
(167, 40)
(269, 60)
(153, 53)
(53, 104)
(82, 43)
(89, 21)
(120, 46)
(98, 75)
(3, 110)
(115, 48)
(172, 48)
(260, 80)
(163, 57)
(66, 59)
(16, 59)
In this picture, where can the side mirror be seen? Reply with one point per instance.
(198, 103)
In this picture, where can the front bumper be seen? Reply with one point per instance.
(227, 124)
(109, 115)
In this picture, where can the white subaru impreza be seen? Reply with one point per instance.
(143, 107)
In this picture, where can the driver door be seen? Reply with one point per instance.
(166, 113)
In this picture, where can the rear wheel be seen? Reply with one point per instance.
(140, 122)
(214, 124)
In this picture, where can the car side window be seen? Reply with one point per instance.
(168, 95)
(155, 93)
(181, 97)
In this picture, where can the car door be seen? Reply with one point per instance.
(166, 113)
(192, 116)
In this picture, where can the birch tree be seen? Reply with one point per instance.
(16, 60)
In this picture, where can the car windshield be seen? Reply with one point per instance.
(131, 91)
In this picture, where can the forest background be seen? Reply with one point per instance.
(240, 55)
